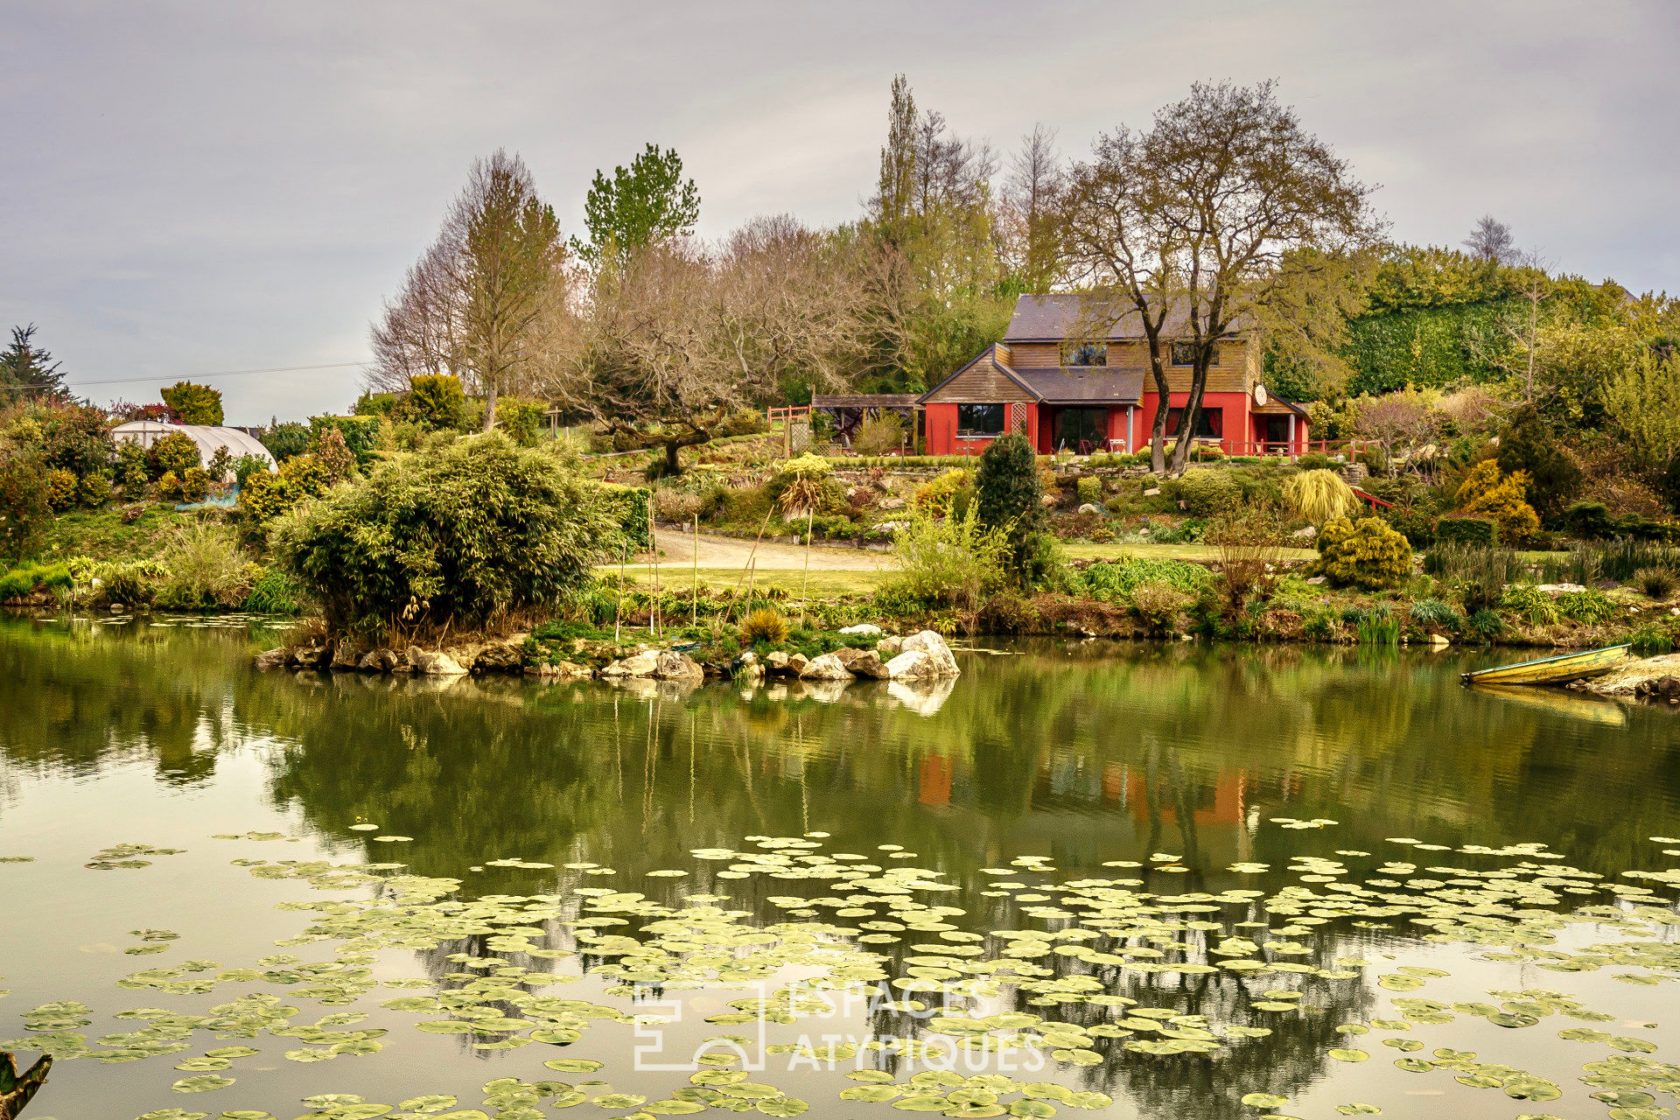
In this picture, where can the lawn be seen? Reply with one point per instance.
(102, 534)
(1195, 553)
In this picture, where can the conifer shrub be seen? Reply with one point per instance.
(949, 491)
(1478, 531)
(1366, 554)
(61, 489)
(1008, 495)
(1500, 498)
(1206, 492)
(174, 452)
(436, 401)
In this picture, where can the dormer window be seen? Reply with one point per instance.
(1184, 354)
(1084, 354)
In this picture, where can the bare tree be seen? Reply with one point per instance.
(677, 338)
(471, 304)
(1203, 219)
(1033, 240)
(1491, 240)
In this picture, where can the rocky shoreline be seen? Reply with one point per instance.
(922, 656)
(1650, 678)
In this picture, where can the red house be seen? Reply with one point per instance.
(1067, 382)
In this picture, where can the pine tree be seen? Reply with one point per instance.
(28, 372)
(643, 204)
(1009, 499)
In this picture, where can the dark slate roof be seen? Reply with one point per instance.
(1058, 315)
(1084, 384)
(864, 400)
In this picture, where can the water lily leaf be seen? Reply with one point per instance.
(1344, 1055)
(203, 1083)
(1264, 1100)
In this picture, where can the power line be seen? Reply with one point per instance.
(180, 376)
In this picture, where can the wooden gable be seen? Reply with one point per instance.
(982, 381)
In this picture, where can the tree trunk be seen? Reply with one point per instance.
(673, 463)
(16, 1091)
(490, 407)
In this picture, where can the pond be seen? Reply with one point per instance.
(1156, 881)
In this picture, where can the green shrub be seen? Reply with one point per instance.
(1656, 582)
(1478, 575)
(1590, 606)
(333, 456)
(21, 583)
(628, 507)
(94, 490)
(25, 504)
(203, 568)
(801, 484)
(880, 434)
(193, 404)
(765, 625)
(61, 489)
(376, 404)
(133, 469)
(286, 440)
(1089, 490)
(194, 485)
(463, 535)
(1486, 625)
(436, 401)
(1529, 602)
(1160, 605)
(361, 434)
(951, 561)
(1116, 581)
(175, 452)
(1365, 554)
(522, 418)
(1205, 492)
(1479, 531)
(1008, 496)
(949, 491)
(1529, 446)
(1651, 640)
(1435, 614)
(1378, 626)
(1315, 461)
(247, 465)
(132, 583)
(273, 592)
(1589, 521)
(1500, 498)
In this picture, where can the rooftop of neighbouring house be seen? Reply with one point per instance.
(1054, 316)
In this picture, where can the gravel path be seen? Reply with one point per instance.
(676, 549)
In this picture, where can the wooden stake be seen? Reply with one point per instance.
(805, 578)
(653, 551)
(695, 619)
(618, 611)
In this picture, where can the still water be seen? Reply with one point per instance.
(1081, 880)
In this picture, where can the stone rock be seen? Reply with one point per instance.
(1048, 501)
(1089, 508)
(435, 664)
(640, 664)
(673, 666)
(379, 661)
(1560, 588)
(862, 663)
(1152, 492)
(563, 671)
(1317, 581)
(863, 629)
(504, 657)
(345, 656)
(776, 662)
(828, 667)
(932, 644)
(312, 656)
(889, 646)
(890, 504)
(274, 658)
(1307, 534)
(748, 665)
(912, 665)
(796, 664)
(1439, 641)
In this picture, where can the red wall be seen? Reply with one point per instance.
(1239, 435)
(941, 428)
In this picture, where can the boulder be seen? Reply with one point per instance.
(274, 658)
(862, 663)
(637, 665)
(379, 661)
(862, 629)
(796, 664)
(912, 665)
(560, 671)
(828, 667)
(1089, 508)
(345, 656)
(776, 662)
(932, 644)
(673, 666)
(889, 646)
(503, 657)
(748, 665)
(439, 664)
(312, 656)
(1307, 534)
(1152, 492)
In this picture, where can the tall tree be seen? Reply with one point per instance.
(1210, 217)
(28, 372)
(472, 303)
(891, 205)
(1033, 232)
(1491, 240)
(644, 204)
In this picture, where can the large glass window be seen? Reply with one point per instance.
(1085, 354)
(1184, 354)
(1210, 423)
(979, 419)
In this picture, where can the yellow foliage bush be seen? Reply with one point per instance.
(1365, 554)
(1499, 498)
(61, 489)
(939, 493)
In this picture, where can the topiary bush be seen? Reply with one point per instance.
(1365, 554)
(1205, 492)
(1008, 495)
(468, 534)
(436, 401)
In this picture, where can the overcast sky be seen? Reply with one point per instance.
(195, 188)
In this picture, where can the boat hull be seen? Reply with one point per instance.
(1560, 669)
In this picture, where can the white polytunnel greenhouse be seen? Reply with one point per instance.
(209, 439)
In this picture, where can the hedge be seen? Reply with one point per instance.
(1467, 530)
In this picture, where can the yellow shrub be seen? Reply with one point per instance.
(1501, 499)
(1366, 554)
(939, 493)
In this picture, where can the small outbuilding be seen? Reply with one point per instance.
(236, 442)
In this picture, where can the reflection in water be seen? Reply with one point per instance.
(1166, 760)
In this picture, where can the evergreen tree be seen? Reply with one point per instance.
(1009, 499)
(641, 205)
(27, 372)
